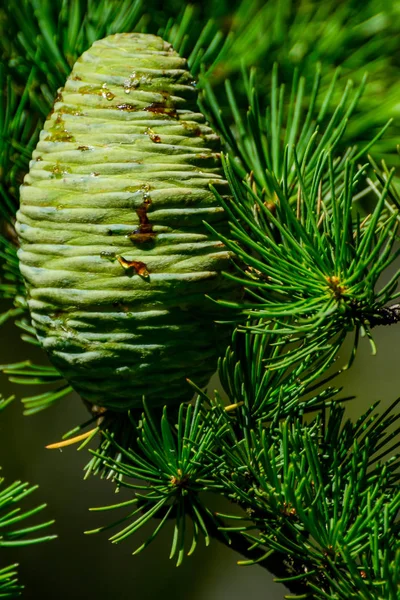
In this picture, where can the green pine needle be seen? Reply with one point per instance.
(323, 493)
(26, 373)
(12, 533)
(258, 393)
(166, 470)
(9, 586)
(312, 268)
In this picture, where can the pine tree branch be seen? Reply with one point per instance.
(387, 315)
(11, 532)
(272, 561)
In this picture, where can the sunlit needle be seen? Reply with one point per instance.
(72, 441)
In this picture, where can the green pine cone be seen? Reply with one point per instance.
(114, 252)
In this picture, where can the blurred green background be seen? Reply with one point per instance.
(78, 566)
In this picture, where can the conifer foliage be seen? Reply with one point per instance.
(11, 534)
(309, 153)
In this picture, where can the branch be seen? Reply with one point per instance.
(387, 315)
(274, 562)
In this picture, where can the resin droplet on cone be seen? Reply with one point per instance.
(114, 252)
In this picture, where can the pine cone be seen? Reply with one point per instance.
(114, 251)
